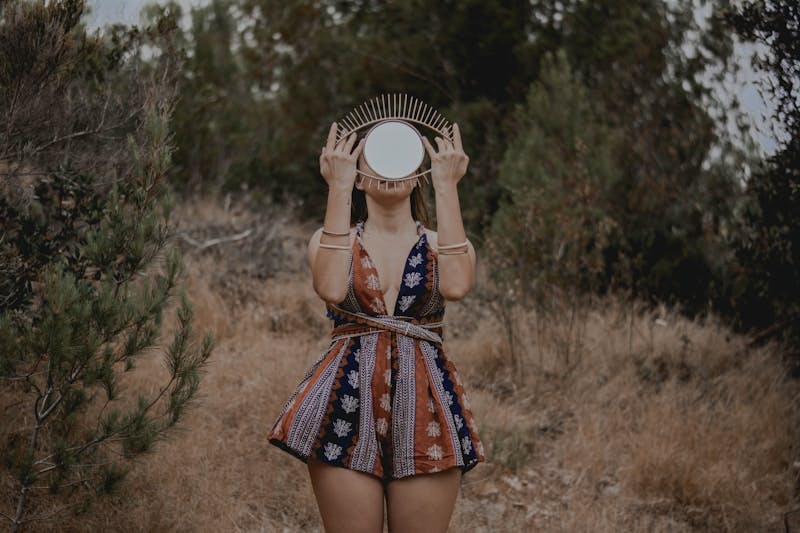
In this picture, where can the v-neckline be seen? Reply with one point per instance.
(420, 235)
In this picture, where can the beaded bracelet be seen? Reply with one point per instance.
(326, 232)
(333, 246)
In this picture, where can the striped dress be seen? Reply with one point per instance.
(383, 398)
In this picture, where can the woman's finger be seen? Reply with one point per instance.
(359, 148)
(348, 146)
(448, 144)
(428, 147)
(457, 138)
(331, 142)
(440, 144)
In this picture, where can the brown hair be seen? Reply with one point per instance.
(419, 204)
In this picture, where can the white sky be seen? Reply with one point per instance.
(745, 87)
(127, 11)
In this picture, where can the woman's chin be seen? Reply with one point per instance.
(388, 190)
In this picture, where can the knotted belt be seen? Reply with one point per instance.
(361, 323)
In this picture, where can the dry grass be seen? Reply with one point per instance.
(663, 424)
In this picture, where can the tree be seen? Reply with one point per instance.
(222, 124)
(87, 263)
(298, 65)
(673, 197)
(766, 292)
(548, 237)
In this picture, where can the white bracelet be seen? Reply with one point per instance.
(448, 246)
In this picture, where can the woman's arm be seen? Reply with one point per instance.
(448, 166)
(456, 271)
(329, 255)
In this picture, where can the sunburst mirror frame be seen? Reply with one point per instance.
(398, 107)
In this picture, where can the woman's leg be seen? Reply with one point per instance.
(348, 501)
(422, 503)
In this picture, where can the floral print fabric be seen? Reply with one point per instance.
(383, 402)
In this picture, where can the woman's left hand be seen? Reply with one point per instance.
(449, 164)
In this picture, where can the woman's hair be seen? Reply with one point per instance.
(419, 205)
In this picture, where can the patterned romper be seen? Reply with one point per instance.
(383, 398)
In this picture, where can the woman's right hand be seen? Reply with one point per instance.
(337, 164)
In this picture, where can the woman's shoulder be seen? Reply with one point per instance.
(432, 236)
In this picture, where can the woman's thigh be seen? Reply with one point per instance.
(422, 503)
(348, 501)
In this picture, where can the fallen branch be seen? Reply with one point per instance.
(213, 242)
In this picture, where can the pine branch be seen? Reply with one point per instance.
(77, 329)
(49, 516)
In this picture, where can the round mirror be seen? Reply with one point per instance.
(394, 149)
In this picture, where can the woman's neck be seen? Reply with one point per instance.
(389, 218)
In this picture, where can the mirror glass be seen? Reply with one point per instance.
(394, 149)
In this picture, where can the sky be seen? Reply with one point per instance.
(127, 11)
(745, 86)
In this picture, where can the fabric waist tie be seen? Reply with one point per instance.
(362, 323)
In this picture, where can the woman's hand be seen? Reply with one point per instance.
(337, 164)
(449, 164)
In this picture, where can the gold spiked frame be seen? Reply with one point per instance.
(396, 106)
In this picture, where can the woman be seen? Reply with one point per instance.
(383, 413)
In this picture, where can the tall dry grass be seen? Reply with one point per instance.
(658, 423)
(680, 420)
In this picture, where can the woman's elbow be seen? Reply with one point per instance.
(455, 293)
(329, 295)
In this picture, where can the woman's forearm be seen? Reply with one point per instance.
(456, 271)
(330, 269)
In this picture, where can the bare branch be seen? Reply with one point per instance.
(213, 242)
